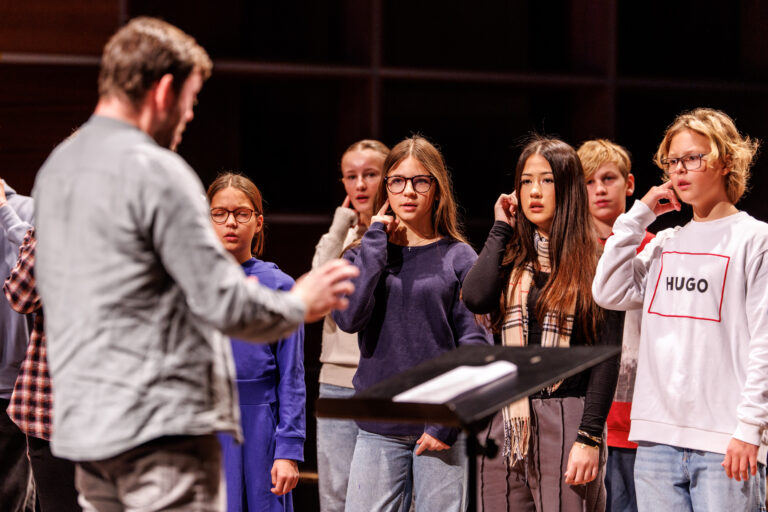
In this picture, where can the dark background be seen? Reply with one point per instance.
(295, 82)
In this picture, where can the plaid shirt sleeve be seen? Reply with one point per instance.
(19, 288)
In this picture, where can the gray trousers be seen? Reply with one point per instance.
(537, 484)
(170, 474)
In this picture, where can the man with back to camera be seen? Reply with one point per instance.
(136, 288)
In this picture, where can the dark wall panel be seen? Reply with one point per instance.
(328, 32)
(56, 26)
(39, 107)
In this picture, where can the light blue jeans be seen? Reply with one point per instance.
(385, 469)
(680, 479)
(335, 446)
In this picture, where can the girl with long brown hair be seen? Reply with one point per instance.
(534, 278)
(406, 309)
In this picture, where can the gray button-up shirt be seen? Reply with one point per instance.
(137, 290)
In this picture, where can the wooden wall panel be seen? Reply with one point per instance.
(39, 107)
(56, 26)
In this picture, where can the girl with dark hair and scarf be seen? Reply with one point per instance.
(534, 278)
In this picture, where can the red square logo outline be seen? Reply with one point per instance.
(722, 291)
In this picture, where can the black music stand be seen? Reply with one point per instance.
(472, 409)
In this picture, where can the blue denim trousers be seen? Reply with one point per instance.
(335, 446)
(681, 479)
(386, 472)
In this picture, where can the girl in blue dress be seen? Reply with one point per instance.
(261, 472)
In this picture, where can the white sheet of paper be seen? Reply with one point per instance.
(455, 382)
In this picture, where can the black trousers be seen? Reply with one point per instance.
(14, 465)
(54, 478)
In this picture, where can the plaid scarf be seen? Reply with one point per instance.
(514, 333)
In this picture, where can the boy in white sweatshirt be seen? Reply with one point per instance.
(700, 404)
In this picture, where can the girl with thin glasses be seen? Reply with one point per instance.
(406, 309)
(533, 277)
(261, 472)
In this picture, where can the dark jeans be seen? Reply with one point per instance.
(620, 480)
(14, 466)
(54, 478)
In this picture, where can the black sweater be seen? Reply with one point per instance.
(481, 292)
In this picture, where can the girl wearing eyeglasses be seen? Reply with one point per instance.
(261, 472)
(700, 409)
(533, 277)
(361, 167)
(406, 309)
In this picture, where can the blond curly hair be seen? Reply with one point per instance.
(734, 150)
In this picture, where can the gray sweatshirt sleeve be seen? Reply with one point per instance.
(16, 223)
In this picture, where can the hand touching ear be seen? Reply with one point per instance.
(656, 194)
(505, 208)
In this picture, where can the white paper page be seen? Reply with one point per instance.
(455, 382)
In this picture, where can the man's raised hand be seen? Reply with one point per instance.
(324, 288)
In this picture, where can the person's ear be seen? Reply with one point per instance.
(630, 184)
(727, 163)
(259, 223)
(163, 93)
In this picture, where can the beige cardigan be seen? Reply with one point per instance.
(340, 352)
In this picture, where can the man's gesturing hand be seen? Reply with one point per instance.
(325, 287)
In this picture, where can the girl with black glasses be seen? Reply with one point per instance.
(406, 309)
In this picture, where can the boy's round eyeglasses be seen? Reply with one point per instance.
(420, 183)
(220, 215)
(688, 162)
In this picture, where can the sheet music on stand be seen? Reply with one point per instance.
(453, 383)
